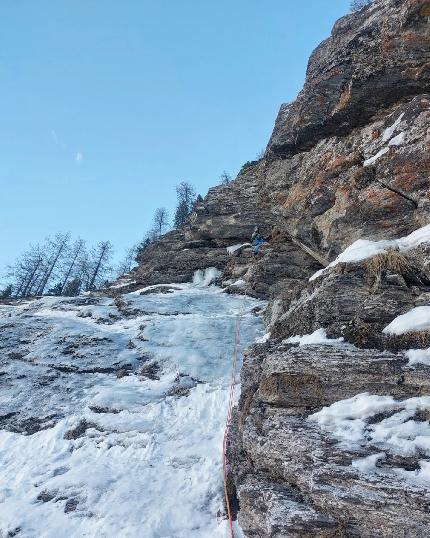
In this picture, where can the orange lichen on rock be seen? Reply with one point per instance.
(345, 161)
(344, 99)
(387, 44)
(414, 37)
(383, 198)
(425, 10)
(415, 73)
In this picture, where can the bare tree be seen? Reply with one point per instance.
(186, 196)
(6, 292)
(160, 221)
(26, 270)
(75, 253)
(58, 247)
(225, 178)
(83, 272)
(126, 265)
(100, 264)
(59, 268)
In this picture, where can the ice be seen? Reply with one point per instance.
(418, 356)
(417, 319)
(364, 248)
(317, 337)
(206, 276)
(233, 248)
(145, 456)
(388, 133)
(372, 160)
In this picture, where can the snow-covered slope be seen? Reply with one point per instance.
(112, 412)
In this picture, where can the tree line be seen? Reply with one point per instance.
(62, 266)
(59, 266)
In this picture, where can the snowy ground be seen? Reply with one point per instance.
(112, 413)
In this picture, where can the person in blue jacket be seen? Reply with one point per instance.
(257, 240)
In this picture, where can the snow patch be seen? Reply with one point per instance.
(317, 337)
(389, 131)
(263, 339)
(417, 319)
(398, 433)
(372, 160)
(368, 464)
(364, 248)
(398, 140)
(233, 248)
(418, 356)
(123, 284)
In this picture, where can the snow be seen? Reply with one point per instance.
(317, 337)
(263, 339)
(396, 432)
(417, 319)
(372, 160)
(387, 136)
(418, 356)
(397, 140)
(368, 464)
(232, 249)
(364, 248)
(421, 476)
(388, 133)
(149, 462)
(206, 276)
(123, 284)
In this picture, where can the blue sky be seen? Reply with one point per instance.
(106, 105)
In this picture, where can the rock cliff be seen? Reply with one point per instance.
(348, 160)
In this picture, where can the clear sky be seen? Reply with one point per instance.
(107, 105)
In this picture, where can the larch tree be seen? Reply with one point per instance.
(186, 196)
(75, 253)
(58, 247)
(160, 221)
(225, 178)
(129, 260)
(99, 264)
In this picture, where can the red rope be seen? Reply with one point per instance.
(227, 424)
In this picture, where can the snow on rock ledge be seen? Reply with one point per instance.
(317, 337)
(417, 319)
(364, 248)
(384, 424)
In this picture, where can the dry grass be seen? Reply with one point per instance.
(410, 340)
(391, 261)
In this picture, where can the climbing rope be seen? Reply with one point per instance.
(230, 411)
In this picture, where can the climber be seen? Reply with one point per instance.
(257, 240)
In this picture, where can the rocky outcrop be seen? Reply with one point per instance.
(348, 160)
(276, 444)
(384, 47)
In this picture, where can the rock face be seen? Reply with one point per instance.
(385, 47)
(348, 160)
(277, 447)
